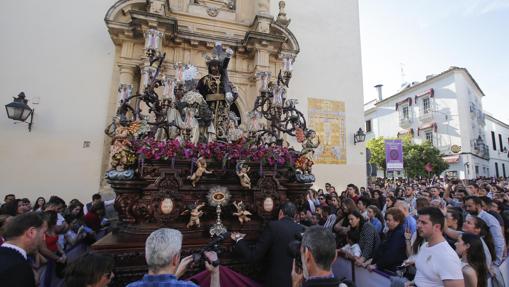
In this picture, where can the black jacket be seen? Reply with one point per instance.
(392, 252)
(272, 247)
(15, 270)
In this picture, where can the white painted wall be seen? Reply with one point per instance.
(498, 156)
(329, 67)
(59, 52)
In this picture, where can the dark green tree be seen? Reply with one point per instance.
(415, 157)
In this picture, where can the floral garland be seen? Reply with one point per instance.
(151, 149)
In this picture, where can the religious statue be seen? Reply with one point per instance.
(304, 162)
(242, 213)
(195, 212)
(190, 125)
(311, 142)
(218, 91)
(242, 172)
(121, 151)
(217, 81)
(234, 133)
(201, 168)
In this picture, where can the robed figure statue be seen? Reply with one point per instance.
(217, 89)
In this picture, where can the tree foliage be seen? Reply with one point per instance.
(415, 157)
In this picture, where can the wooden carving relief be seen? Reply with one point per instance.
(123, 204)
(167, 200)
(143, 210)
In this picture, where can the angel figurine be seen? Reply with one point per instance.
(311, 142)
(200, 170)
(196, 213)
(242, 213)
(242, 172)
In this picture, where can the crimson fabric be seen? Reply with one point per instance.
(93, 221)
(227, 277)
(51, 242)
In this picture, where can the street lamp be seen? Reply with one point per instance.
(359, 136)
(18, 110)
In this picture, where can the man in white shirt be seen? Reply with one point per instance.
(437, 263)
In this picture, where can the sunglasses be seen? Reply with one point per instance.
(321, 198)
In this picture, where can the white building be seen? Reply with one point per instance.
(445, 109)
(497, 133)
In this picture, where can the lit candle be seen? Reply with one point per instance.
(153, 40)
(169, 87)
(264, 77)
(288, 62)
(279, 95)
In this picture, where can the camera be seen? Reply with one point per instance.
(214, 245)
(294, 250)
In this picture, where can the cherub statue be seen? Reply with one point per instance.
(195, 212)
(242, 213)
(311, 142)
(201, 168)
(242, 172)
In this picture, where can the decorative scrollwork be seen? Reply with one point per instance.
(123, 204)
(167, 202)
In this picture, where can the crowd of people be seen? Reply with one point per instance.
(437, 232)
(49, 230)
(430, 232)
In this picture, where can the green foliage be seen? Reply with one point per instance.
(415, 157)
(377, 148)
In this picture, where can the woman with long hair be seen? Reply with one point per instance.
(90, 270)
(475, 225)
(347, 207)
(378, 198)
(40, 204)
(368, 237)
(376, 218)
(389, 202)
(470, 249)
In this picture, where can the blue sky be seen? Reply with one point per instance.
(425, 37)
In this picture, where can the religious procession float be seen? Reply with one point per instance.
(183, 156)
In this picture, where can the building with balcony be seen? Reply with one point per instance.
(497, 133)
(446, 110)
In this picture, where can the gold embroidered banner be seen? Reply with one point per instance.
(327, 118)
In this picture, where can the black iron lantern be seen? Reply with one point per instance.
(18, 110)
(359, 136)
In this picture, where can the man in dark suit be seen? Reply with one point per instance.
(23, 234)
(272, 246)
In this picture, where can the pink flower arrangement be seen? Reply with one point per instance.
(151, 149)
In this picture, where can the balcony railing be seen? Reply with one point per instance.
(405, 122)
(426, 117)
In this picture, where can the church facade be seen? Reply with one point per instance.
(71, 58)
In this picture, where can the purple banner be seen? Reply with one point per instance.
(393, 155)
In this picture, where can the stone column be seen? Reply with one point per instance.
(261, 64)
(126, 64)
